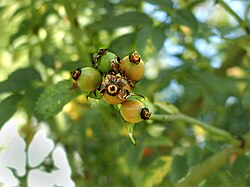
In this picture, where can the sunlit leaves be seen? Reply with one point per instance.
(157, 171)
(185, 17)
(51, 38)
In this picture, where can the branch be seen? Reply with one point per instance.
(222, 134)
(198, 173)
(241, 22)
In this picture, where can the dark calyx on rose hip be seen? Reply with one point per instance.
(115, 89)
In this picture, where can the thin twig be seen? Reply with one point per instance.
(241, 22)
(199, 172)
(222, 134)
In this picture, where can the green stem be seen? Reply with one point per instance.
(131, 127)
(242, 23)
(199, 172)
(222, 134)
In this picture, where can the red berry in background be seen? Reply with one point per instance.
(147, 152)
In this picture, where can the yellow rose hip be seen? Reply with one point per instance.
(133, 111)
(132, 67)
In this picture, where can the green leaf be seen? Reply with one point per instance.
(55, 97)
(48, 60)
(213, 146)
(71, 65)
(246, 98)
(179, 168)
(161, 3)
(30, 99)
(20, 10)
(22, 30)
(8, 107)
(240, 167)
(126, 19)
(219, 178)
(158, 37)
(157, 171)
(185, 17)
(123, 44)
(20, 79)
(246, 101)
(2, 8)
(194, 156)
(142, 37)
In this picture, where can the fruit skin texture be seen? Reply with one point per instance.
(114, 100)
(105, 61)
(132, 67)
(89, 78)
(130, 111)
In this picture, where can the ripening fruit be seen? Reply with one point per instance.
(132, 67)
(115, 95)
(114, 100)
(107, 61)
(88, 78)
(114, 89)
(133, 111)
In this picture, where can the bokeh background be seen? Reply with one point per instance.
(197, 57)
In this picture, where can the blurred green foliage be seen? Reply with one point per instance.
(206, 75)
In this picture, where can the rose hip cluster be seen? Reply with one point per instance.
(114, 78)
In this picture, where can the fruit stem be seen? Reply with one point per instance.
(221, 134)
(131, 128)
